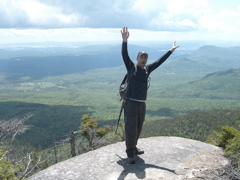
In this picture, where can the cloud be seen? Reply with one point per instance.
(41, 15)
(81, 13)
(138, 14)
(11, 15)
(35, 14)
(222, 21)
(61, 19)
(164, 15)
(180, 15)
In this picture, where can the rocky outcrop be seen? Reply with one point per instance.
(166, 158)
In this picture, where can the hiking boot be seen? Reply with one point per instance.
(139, 151)
(131, 160)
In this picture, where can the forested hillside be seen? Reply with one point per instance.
(217, 85)
(197, 125)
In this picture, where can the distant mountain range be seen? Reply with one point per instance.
(41, 62)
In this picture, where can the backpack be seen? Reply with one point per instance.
(125, 83)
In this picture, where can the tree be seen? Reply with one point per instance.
(90, 132)
(7, 170)
(102, 131)
(87, 128)
(229, 140)
(13, 127)
(12, 165)
(226, 138)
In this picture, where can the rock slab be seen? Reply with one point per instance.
(165, 158)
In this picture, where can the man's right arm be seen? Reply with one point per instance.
(127, 61)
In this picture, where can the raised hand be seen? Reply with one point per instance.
(174, 46)
(125, 34)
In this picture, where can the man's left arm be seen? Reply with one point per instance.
(163, 58)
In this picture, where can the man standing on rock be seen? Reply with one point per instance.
(135, 107)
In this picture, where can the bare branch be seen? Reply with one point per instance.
(13, 127)
(26, 156)
(3, 155)
(37, 164)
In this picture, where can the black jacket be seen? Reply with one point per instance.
(138, 84)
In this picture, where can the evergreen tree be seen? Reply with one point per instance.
(90, 132)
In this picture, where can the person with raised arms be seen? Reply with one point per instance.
(136, 95)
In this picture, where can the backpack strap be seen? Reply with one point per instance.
(132, 72)
(146, 69)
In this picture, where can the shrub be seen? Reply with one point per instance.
(8, 171)
(229, 140)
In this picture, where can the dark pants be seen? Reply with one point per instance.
(134, 116)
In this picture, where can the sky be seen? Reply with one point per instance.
(102, 20)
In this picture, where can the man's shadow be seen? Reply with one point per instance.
(138, 168)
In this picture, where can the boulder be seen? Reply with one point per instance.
(166, 158)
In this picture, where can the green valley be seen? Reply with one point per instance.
(59, 97)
